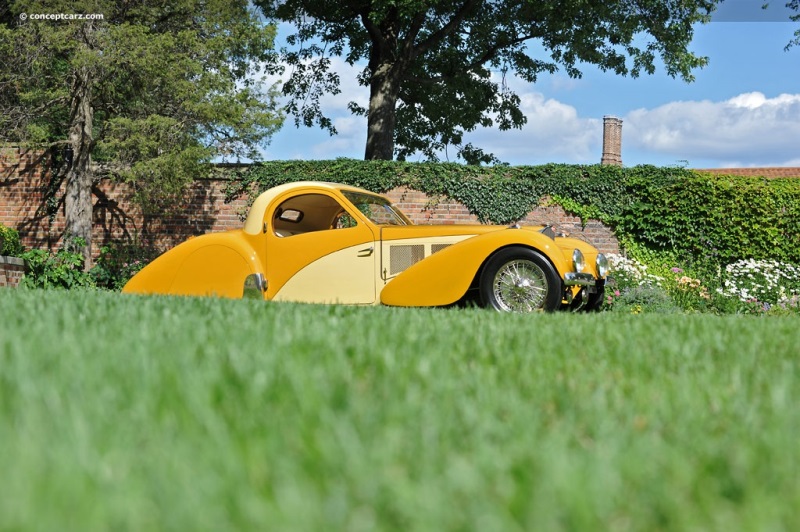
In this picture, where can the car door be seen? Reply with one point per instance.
(319, 251)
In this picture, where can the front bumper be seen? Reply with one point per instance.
(583, 291)
(580, 279)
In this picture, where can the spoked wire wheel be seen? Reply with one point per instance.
(519, 279)
(520, 286)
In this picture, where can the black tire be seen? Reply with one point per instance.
(518, 279)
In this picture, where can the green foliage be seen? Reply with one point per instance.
(664, 216)
(795, 5)
(154, 91)
(117, 263)
(498, 194)
(199, 413)
(645, 299)
(164, 79)
(437, 70)
(63, 269)
(688, 292)
(11, 246)
(716, 220)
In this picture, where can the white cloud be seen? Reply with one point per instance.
(349, 142)
(554, 133)
(350, 89)
(749, 129)
(561, 83)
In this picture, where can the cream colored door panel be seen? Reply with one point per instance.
(345, 276)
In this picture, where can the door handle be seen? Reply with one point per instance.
(366, 252)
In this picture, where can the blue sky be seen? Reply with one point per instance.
(742, 110)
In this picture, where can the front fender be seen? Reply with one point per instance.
(568, 245)
(444, 277)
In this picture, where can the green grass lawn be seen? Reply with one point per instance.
(136, 413)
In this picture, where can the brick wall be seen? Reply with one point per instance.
(23, 180)
(29, 203)
(11, 271)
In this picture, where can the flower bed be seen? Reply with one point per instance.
(745, 286)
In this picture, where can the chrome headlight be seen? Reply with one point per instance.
(602, 265)
(578, 261)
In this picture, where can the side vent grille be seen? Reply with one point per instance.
(401, 257)
(438, 247)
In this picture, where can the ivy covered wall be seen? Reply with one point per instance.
(694, 218)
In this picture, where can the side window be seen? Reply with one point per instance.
(307, 213)
(343, 220)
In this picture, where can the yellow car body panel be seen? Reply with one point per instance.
(399, 254)
(208, 265)
(589, 253)
(444, 277)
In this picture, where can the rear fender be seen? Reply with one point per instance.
(444, 277)
(214, 264)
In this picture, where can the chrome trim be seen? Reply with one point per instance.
(579, 279)
(255, 285)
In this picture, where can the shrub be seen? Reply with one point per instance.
(645, 299)
(787, 305)
(117, 263)
(687, 292)
(629, 273)
(633, 289)
(744, 287)
(62, 269)
(11, 246)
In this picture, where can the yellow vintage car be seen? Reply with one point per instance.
(319, 242)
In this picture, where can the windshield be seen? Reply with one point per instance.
(379, 210)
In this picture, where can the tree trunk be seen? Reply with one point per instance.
(383, 91)
(78, 199)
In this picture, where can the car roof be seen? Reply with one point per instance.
(255, 218)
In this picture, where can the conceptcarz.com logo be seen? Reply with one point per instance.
(60, 16)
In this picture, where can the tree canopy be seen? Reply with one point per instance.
(795, 5)
(152, 89)
(436, 70)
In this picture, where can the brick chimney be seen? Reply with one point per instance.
(612, 141)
